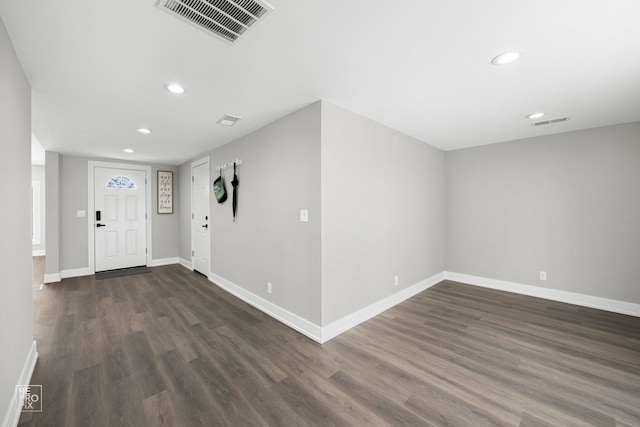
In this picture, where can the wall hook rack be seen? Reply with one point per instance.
(227, 165)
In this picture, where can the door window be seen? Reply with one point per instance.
(119, 182)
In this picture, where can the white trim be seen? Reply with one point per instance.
(75, 272)
(310, 329)
(66, 274)
(12, 416)
(203, 161)
(294, 321)
(38, 252)
(91, 205)
(615, 306)
(349, 321)
(185, 263)
(86, 271)
(52, 278)
(164, 261)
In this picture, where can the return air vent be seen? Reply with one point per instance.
(225, 19)
(228, 120)
(550, 121)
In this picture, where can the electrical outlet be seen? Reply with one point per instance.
(268, 287)
(396, 281)
(543, 275)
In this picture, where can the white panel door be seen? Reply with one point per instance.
(200, 200)
(120, 218)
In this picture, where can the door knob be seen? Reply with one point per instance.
(101, 225)
(205, 226)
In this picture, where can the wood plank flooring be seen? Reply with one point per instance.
(169, 348)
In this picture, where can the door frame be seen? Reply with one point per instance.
(200, 162)
(92, 201)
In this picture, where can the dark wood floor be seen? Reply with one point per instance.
(169, 348)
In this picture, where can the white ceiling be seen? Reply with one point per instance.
(97, 70)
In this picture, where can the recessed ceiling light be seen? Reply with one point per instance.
(144, 130)
(128, 150)
(534, 115)
(228, 120)
(175, 88)
(507, 57)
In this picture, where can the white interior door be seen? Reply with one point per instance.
(120, 218)
(200, 215)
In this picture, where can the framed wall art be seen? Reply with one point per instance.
(165, 192)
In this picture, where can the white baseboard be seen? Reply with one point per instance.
(38, 252)
(313, 331)
(13, 412)
(75, 272)
(65, 274)
(615, 306)
(294, 321)
(164, 261)
(78, 272)
(334, 329)
(52, 278)
(187, 264)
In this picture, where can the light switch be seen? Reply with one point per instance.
(304, 215)
(81, 214)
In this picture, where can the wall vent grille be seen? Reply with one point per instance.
(225, 19)
(550, 121)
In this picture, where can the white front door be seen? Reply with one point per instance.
(200, 201)
(120, 218)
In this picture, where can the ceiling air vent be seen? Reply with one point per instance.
(228, 120)
(550, 121)
(226, 19)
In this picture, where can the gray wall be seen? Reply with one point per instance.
(165, 227)
(567, 204)
(52, 206)
(16, 306)
(382, 212)
(279, 176)
(74, 196)
(74, 239)
(38, 174)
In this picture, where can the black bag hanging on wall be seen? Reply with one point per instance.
(219, 190)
